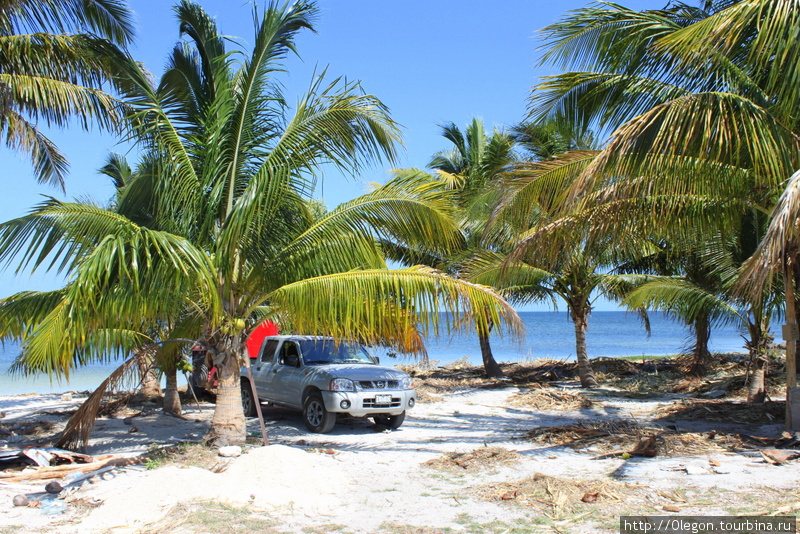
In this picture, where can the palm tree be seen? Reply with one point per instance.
(529, 268)
(581, 276)
(228, 240)
(471, 169)
(703, 113)
(117, 169)
(58, 55)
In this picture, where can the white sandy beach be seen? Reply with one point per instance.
(366, 479)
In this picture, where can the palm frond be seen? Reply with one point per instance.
(683, 299)
(375, 305)
(75, 435)
(707, 130)
(762, 36)
(782, 239)
(49, 164)
(19, 313)
(110, 19)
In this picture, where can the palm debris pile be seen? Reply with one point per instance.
(621, 437)
(724, 411)
(483, 458)
(30, 429)
(556, 496)
(551, 399)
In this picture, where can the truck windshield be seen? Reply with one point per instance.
(329, 351)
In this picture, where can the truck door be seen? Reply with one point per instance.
(262, 368)
(284, 380)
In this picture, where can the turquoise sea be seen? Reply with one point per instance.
(548, 335)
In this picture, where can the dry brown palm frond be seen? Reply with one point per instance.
(780, 242)
(76, 433)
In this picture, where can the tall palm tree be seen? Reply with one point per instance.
(228, 240)
(57, 57)
(472, 169)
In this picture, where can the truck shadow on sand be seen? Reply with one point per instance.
(431, 429)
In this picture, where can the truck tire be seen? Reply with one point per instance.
(390, 421)
(316, 417)
(248, 402)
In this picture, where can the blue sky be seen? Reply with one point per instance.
(430, 61)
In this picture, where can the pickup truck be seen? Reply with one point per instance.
(325, 377)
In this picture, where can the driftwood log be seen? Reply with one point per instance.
(60, 471)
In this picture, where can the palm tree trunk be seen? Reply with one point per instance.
(228, 425)
(148, 379)
(790, 278)
(702, 356)
(760, 338)
(490, 365)
(757, 390)
(172, 402)
(581, 323)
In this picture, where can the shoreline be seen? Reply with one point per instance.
(549, 335)
(86, 379)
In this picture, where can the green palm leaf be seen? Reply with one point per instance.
(364, 304)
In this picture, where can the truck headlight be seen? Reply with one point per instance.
(342, 384)
(407, 383)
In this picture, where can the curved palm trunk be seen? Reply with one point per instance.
(228, 425)
(490, 365)
(172, 402)
(701, 362)
(580, 320)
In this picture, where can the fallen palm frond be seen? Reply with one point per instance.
(724, 411)
(551, 399)
(617, 437)
(425, 394)
(80, 425)
(556, 495)
(478, 459)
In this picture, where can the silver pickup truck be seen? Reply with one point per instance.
(324, 377)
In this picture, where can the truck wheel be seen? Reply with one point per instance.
(390, 421)
(315, 416)
(248, 402)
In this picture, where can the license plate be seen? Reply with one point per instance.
(383, 399)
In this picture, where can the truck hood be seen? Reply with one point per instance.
(355, 371)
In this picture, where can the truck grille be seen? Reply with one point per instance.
(379, 384)
(370, 403)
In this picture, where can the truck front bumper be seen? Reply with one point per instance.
(363, 403)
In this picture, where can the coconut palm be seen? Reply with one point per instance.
(58, 55)
(228, 239)
(702, 117)
(701, 107)
(117, 169)
(471, 169)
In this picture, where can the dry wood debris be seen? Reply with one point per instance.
(482, 458)
(614, 438)
(551, 399)
(555, 495)
(61, 471)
